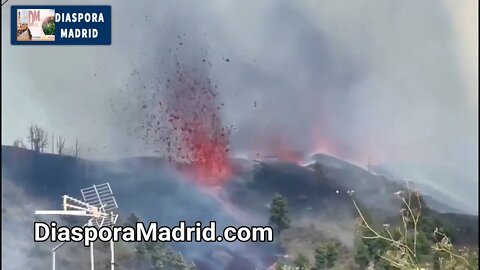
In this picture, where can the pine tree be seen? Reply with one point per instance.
(331, 254)
(320, 258)
(279, 219)
(362, 256)
(301, 262)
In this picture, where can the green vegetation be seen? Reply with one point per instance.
(49, 27)
(419, 242)
(301, 262)
(279, 218)
(326, 256)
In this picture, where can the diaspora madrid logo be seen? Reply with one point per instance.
(61, 25)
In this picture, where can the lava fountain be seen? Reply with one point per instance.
(188, 120)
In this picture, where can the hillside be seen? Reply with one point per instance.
(141, 185)
(438, 181)
(317, 196)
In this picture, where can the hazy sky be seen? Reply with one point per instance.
(386, 79)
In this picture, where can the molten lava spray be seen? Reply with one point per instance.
(277, 146)
(189, 124)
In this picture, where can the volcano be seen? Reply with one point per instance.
(184, 122)
(156, 191)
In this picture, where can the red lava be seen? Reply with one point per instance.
(278, 147)
(189, 126)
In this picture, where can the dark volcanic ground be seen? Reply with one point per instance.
(155, 192)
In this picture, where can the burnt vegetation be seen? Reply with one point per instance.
(39, 141)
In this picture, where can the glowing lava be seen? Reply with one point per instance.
(325, 147)
(189, 125)
(200, 138)
(278, 147)
(359, 154)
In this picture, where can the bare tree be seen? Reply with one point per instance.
(30, 136)
(60, 144)
(19, 143)
(38, 138)
(77, 147)
(53, 144)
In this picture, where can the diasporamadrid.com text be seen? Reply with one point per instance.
(150, 232)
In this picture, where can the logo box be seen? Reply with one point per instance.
(61, 25)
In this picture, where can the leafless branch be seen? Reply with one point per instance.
(60, 145)
(77, 147)
(38, 138)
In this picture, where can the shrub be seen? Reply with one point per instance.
(402, 247)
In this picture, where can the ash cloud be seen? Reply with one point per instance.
(368, 79)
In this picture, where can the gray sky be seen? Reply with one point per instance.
(393, 81)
